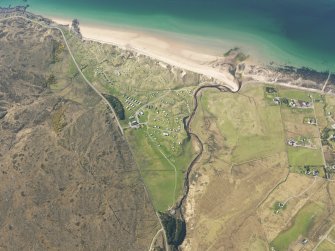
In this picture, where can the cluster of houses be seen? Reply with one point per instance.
(100, 71)
(300, 104)
(131, 102)
(164, 122)
(314, 172)
(292, 102)
(153, 94)
(299, 143)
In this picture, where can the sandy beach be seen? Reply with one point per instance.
(183, 55)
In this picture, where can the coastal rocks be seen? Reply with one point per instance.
(288, 75)
(75, 28)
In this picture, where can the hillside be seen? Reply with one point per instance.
(68, 179)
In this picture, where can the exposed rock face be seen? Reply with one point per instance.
(68, 180)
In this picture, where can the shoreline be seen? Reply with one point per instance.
(261, 50)
(173, 51)
(170, 51)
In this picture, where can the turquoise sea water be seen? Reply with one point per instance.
(295, 32)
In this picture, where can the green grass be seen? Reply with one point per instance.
(331, 235)
(72, 70)
(145, 80)
(297, 94)
(271, 139)
(299, 156)
(250, 133)
(157, 172)
(301, 224)
(302, 170)
(161, 187)
(326, 246)
(186, 156)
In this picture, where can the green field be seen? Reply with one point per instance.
(326, 246)
(290, 93)
(249, 133)
(331, 235)
(158, 173)
(159, 97)
(252, 126)
(299, 156)
(301, 224)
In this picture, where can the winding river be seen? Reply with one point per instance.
(179, 208)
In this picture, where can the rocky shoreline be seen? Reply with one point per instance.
(292, 76)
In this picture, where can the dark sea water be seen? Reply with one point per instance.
(296, 32)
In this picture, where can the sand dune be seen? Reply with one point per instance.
(183, 55)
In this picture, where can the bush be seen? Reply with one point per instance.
(117, 105)
(175, 229)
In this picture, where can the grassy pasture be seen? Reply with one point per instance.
(299, 156)
(290, 93)
(155, 169)
(301, 223)
(326, 246)
(158, 173)
(252, 133)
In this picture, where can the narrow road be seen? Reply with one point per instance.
(324, 86)
(289, 86)
(95, 90)
(300, 194)
(323, 237)
(154, 239)
(74, 61)
(319, 136)
(87, 81)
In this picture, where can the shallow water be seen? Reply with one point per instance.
(296, 32)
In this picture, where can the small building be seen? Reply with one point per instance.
(315, 173)
(292, 142)
(270, 90)
(134, 124)
(292, 103)
(311, 121)
(276, 100)
(304, 241)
